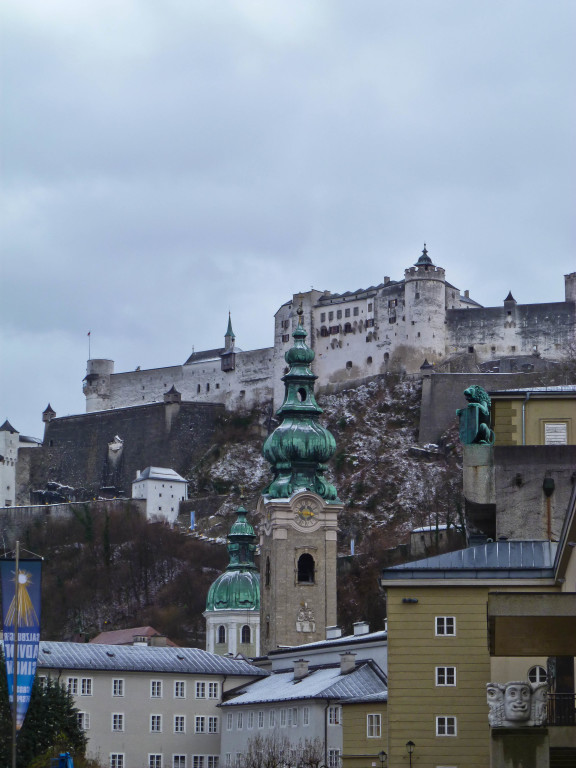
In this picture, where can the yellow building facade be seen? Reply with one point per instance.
(365, 732)
(539, 416)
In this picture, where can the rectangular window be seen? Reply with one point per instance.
(117, 721)
(335, 715)
(117, 687)
(179, 724)
(293, 716)
(339, 315)
(282, 718)
(213, 761)
(73, 686)
(42, 680)
(446, 726)
(179, 689)
(229, 718)
(239, 721)
(155, 723)
(84, 720)
(285, 337)
(356, 311)
(213, 690)
(86, 686)
(347, 313)
(197, 761)
(228, 760)
(116, 760)
(374, 726)
(261, 719)
(330, 315)
(272, 718)
(445, 625)
(156, 689)
(445, 675)
(239, 759)
(250, 721)
(178, 761)
(212, 725)
(323, 317)
(200, 690)
(333, 758)
(369, 307)
(154, 761)
(306, 716)
(200, 724)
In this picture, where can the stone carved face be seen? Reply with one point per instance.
(517, 701)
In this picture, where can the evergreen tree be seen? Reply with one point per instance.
(51, 725)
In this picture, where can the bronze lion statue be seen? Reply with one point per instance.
(475, 418)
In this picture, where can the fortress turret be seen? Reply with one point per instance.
(425, 297)
(570, 286)
(96, 385)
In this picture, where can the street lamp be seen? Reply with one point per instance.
(383, 757)
(410, 748)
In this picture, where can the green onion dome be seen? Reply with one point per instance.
(299, 447)
(238, 588)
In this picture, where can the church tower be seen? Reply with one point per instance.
(299, 510)
(233, 604)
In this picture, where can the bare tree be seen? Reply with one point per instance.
(277, 751)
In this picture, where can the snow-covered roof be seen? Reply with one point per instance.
(320, 683)
(127, 636)
(160, 473)
(140, 658)
(568, 388)
(344, 640)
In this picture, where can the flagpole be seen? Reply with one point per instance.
(89, 338)
(15, 660)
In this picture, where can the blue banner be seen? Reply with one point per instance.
(24, 602)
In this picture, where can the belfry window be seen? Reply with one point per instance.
(245, 634)
(306, 569)
(221, 634)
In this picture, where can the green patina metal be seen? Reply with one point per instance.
(238, 588)
(475, 418)
(424, 260)
(299, 447)
(229, 331)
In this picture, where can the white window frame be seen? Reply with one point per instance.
(239, 721)
(536, 673)
(198, 761)
(200, 724)
(179, 723)
(228, 760)
(156, 720)
(117, 760)
(250, 720)
(118, 686)
(444, 723)
(155, 689)
(261, 718)
(72, 685)
(334, 758)
(117, 721)
(179, 689)
(213, 724)
(200, 689)
(178, 761)
(155, 760)
(335, 714)
(283, 718)
(445, 626)
(443, 674)
(213, 761)
(86, 687)
(229, 721)
(373, 725)
(306, 716)
(213, 690)
(84, 720)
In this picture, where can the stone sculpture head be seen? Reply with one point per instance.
(517, 701)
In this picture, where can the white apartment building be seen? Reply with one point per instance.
(163, 489)
(146, 707)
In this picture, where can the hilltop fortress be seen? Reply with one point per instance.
(422, 322)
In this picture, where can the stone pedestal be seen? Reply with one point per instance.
(478, 473)
(520, 748)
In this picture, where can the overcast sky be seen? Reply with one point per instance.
(166, 162)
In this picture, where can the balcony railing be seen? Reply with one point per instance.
(562, 709)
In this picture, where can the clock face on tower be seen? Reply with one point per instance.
(306, 514)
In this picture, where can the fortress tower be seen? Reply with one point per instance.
(300, 510)
(96, 386)
(425, 304)
(233, 604)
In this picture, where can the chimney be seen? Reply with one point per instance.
(361, 628)
(158, 641)
(332, 633)
(467, 294)
(347, 663)
(300, 669)
(386, 279)
(138, 473)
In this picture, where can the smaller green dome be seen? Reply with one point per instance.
(235, 590)
(238, 588)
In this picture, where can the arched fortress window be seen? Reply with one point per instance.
(198, 389)
(267, 573)
(221, 634)
(306, 569)
(324, 331)
(245, 637)
(348, 328)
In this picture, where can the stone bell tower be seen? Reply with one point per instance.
(299, 510)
